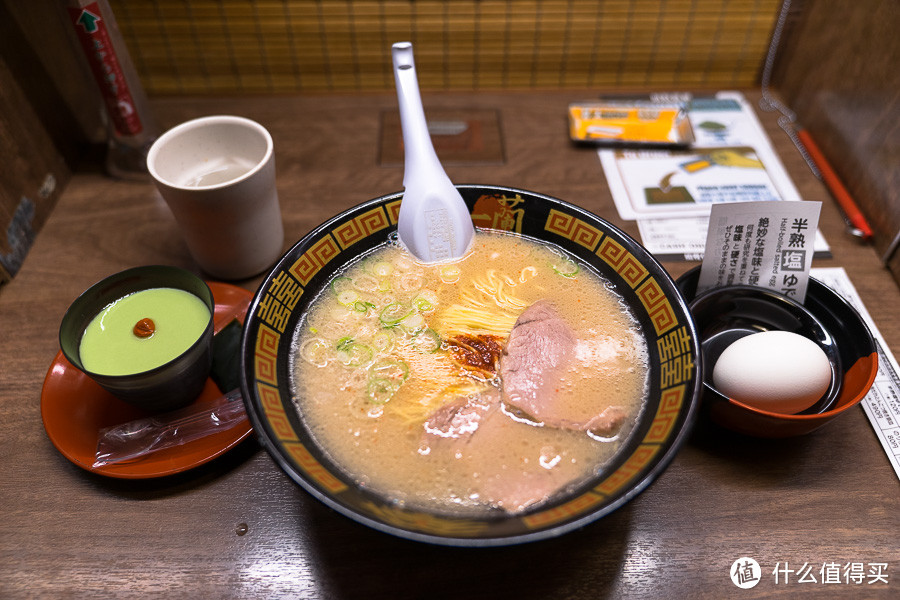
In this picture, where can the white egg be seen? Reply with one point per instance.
(777, 371)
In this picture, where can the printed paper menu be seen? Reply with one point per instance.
(731, 160)
(882, 403)
(670, 192)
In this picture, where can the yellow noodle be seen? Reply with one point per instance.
(433, 373)
(527, 273)
(470, 320)
(478, 314)
(411, 413)
(497, 287)
(416, 412)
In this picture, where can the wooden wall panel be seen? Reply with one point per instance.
(33, 176)
(47, 118)
(838, 71)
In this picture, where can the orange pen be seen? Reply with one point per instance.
(856, 221)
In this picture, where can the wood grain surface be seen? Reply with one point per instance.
(238, 528)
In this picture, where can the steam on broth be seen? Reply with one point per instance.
(493, 382)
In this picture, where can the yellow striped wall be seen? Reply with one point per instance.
(266, 46)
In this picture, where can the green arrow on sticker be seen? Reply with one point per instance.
(88, 20)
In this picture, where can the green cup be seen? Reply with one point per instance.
(171, 385)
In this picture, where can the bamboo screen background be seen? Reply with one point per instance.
(266, 46)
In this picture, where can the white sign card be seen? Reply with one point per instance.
(684, 238)
(767, 244)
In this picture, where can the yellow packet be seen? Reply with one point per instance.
(638, 122)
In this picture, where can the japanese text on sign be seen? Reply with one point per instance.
(768, 244)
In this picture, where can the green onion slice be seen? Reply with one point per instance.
(354, 354)
(565, 267)
(382, 269)
(380, 390)
(385, 378)
(393, 313)
(390, 368)
(316, 351)
(425, 301)
(413, 324)
(341, 284)
(362, 306)
(348, 297)
(428, 341)
(383, 341)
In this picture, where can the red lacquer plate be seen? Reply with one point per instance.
(75, 409)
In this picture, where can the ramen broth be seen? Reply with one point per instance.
(374, 361)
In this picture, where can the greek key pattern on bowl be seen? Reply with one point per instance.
(423, 522)
(270, 399)
(318, 255)
(573, 228)
(657, 306)
(626, 265)
(393, 211)
(582, 504)
(265, 355)
(314, 468)
(663, 424)
(361, 227)
(629, 469)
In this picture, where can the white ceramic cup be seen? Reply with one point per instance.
(217, 174)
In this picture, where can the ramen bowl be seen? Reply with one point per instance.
(723, 315)
(674, 378)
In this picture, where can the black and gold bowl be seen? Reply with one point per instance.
(674, 378)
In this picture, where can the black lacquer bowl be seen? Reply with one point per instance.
(172, 385)
(675, 378)
(725, 314)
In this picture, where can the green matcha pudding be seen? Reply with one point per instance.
(142, 331)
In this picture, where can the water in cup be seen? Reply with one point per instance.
(217, 171)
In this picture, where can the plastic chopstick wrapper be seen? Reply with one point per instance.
(136, 439)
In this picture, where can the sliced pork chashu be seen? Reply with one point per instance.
(534, 368)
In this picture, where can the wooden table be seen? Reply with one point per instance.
(237, 527)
